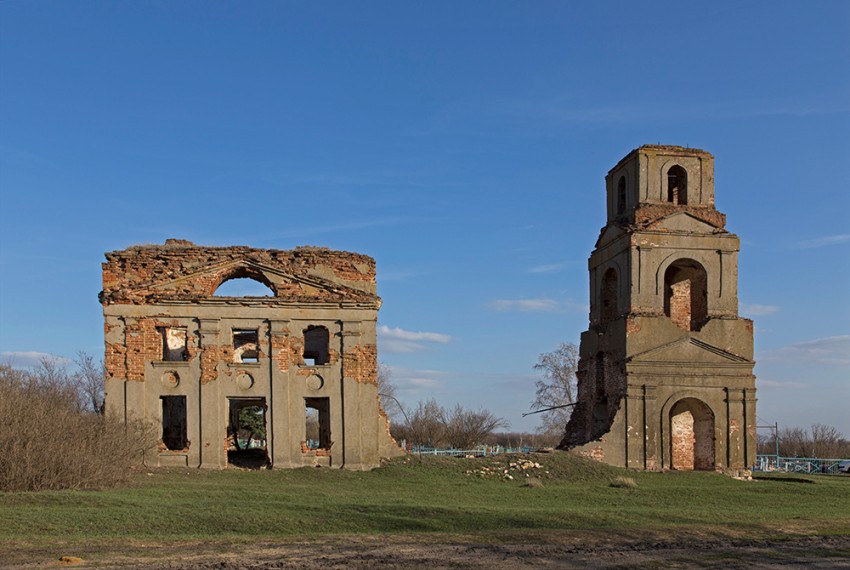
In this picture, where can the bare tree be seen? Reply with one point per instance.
(827, 442)
(557, 387)
(423, 425)
(89, 378)
(793, 442)
(822, 441)
(464, 429)
(387, 393)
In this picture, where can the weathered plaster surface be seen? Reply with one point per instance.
(666, 366)
(168, 334)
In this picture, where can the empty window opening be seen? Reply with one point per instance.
(318, 423)
(677, 185)
(247, 445)
(244, 287)
(610, 310)
(685, 294)
(173, 344)
(316, 351)
(621, 196)
(245, 345)
(174, 423)
(691, 436)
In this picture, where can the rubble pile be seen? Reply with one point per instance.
(521, 468)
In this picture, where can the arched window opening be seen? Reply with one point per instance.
(691, 436)
(244, 282)
(621, 196)
(608, 297)
(685, 294)
(316, 346)
(677, 185)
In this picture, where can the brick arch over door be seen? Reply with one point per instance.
(689, 432)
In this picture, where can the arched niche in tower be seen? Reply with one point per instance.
(685, 294)
(621, 196)
(608, 296)
(677, 185)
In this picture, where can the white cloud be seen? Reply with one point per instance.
(833, 350)
(756, 310)
(428, 383)
(398, 340)
(416, 383)
(547, 268)
(30, 358)
(525, 305)
(824, 241)
(401, 334)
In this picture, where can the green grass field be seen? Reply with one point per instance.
(435, 496)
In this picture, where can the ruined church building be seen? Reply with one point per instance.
(195, 362)
(665, 376)
(666, 367)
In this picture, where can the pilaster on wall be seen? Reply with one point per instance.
(735, 429)
(651, 438)
(352, 444)
(279, 391)
(750, 422)
(635, 435)
(213, 448)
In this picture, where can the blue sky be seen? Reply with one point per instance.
(463, 145)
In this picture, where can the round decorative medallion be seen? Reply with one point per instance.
(244, 381)
(170, 379)
(315, 382)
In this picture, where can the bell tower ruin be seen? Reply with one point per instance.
(665, 376)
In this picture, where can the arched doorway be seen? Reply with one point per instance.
(691, 436)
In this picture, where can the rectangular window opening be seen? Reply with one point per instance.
(247, 445)
(245, 345)
(318, 423)
(316, 346)
(174, 423)
(173, 344)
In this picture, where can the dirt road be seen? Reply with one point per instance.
(551, 552)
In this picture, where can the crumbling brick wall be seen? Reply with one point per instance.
(673, 366)
(171, 341)
(180, 270)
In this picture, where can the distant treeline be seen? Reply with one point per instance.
(822, 441)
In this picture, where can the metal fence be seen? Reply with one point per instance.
(483, 451)
(797, 464)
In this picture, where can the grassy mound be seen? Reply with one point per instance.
(557, 465)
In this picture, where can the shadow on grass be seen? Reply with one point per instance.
(783, 479)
